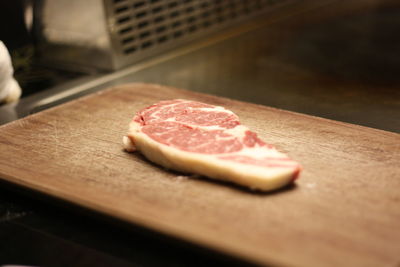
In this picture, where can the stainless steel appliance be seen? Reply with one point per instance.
(326, 58)
(112, 34)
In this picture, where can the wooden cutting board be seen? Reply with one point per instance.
(343, 211)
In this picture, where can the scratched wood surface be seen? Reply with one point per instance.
(343, 211)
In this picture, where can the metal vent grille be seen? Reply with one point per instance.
(143, 25)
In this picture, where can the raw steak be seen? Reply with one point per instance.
(209, 140)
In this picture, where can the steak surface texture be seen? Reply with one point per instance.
(209, 140)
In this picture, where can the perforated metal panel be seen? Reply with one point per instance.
(141, 26)
(112, 34)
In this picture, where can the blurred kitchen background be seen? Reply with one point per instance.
(335, 59)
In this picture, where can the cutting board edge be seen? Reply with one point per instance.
(201, 95)
(182, 235)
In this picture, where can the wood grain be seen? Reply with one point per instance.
(343, 211)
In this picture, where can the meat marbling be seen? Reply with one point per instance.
(209, 140)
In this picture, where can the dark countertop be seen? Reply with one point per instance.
(339, 63)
